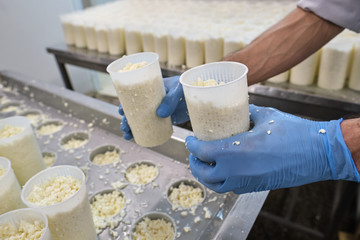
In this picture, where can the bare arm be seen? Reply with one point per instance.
(351, 131)
(285, 44)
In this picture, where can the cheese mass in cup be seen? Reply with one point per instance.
(217, 99)
(139, 86)
(60, 193)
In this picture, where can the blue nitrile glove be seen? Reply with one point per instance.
(281, 151)
(173, 104)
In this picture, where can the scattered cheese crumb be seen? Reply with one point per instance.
(133, 66)
(104, 207)
(187, 229)
(54, 190)
(186, 196)
(268, 132)
(141, 174)
(237, 143)
(184, 213)
(9, 131)
(74, 143)
(107, 157)
(207, 214)
(10, 109)
(119, 185)
(197, 219)
(272, 121)
(322, 131)
(24, 230)
(157, 229)
(49, 128)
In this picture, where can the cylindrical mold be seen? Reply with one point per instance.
(79, 34)
(140, 93)
(176, 50)
(305, 72)
(133, 43)
(16, 218)
(161, 47)
(335, 58)
(354, 82)
(18, 143)
(116, 40)
(71, 218)
(214, 49)
(221, 110)
(280, 78)
(68, 29)
(147, 38)
(194, 48)
(231, 45)
(90, 36)
(101, 39)
(10, 191)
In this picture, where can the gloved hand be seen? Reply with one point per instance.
(281, 151)
(173, 104)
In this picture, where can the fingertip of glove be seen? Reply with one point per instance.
(128, 136)
(163, 111)
(121, 111)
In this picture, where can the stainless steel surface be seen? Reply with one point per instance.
(100, 121)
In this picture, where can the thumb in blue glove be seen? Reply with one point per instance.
(173, 104)
(281, 151)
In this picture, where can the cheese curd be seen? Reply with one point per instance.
(133, 66)
(141, 174)
(2, 171)
(104, 207)
(107, 157)
(24, 230)
(49, 129)
(157, 229)
(185, 196)
(209, 82)
(9, 131)
(74, 143)
(54, 190)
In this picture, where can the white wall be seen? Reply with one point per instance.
(26, 29)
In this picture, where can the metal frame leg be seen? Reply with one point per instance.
(64, 74)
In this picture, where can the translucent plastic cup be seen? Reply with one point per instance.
(28, 215)
(10, 190)
(221, 111)
(70, 219)
(140, 93)
(22, 149)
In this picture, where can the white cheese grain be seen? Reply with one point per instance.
(104, 207)
(322, 131)
(119, 185)
(9, 131)
(207, 213)
(24, 230)
(53, 191)
(157, 229)
(197, 219)
(187, 229)
(185, 196)
(133, 66)
(268, 132)
(107, 157)
(206, 83)
(141, 174)
(49, 159)
(49, 129)
(74, 143)
(2, 171)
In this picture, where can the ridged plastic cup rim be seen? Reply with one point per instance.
(124, 58)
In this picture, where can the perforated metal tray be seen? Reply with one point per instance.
(232, 216)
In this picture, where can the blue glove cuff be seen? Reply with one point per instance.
(340, 160)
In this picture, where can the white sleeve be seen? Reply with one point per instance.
(345, 13)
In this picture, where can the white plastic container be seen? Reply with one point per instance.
(79, 34)
(116, 40)
(22, 149)
(354, 81)
(280, 78)
(194, 48)
(334, 64)
(232, 44)
(68, 29)
(28, 215)
(214, 48)
(147, 38)
(10, 191)
(71, 218)
(140, 93)
(90, 36)
(133, 43)
(305, 72)
(161, 46)
(101, 39)
(221, 111)
(176, 50)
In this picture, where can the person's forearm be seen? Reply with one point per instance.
(285, 44)
(351, 131)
